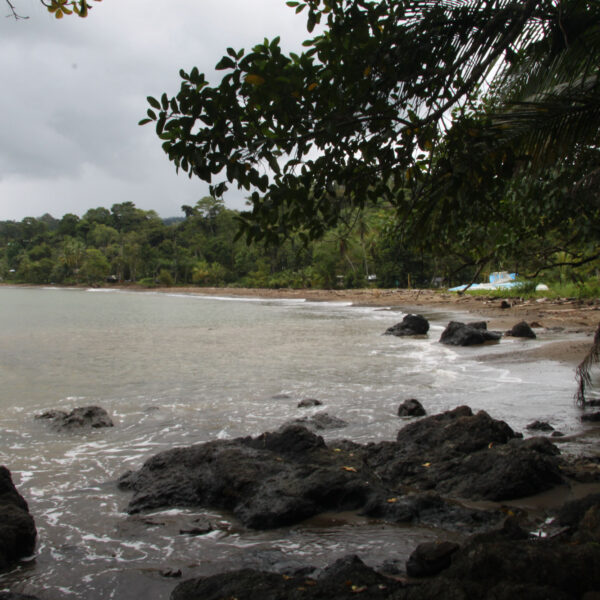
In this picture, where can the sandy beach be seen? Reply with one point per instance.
(545, 315)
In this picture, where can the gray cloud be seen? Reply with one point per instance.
(74, 90)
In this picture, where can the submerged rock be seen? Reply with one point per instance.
(320, 421)
(468, 334)
(17, 528)
(79, 418)
(309, 403)
(539, 426)
(410, 325)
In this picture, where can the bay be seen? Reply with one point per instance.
(176, 369)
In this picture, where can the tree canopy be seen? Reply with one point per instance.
(477, 121)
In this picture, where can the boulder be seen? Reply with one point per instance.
(522, 330)
(17, 528)
(410, 325)
(468, 334)
(411, 408)
(309, 403)
(430, 558)
(86, 417)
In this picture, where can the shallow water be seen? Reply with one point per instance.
(175, 369)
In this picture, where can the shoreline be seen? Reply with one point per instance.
(566, 315)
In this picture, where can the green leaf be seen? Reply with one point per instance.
(225, 63)
(153, 102)
(145, 121)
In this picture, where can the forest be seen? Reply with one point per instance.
(126, 244)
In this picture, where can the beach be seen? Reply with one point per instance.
(569, 314)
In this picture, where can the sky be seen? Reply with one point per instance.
(73, 91)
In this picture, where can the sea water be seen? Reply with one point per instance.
(177, 369)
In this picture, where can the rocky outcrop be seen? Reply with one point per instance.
(17, 528)
(283, 477)
(410, 325)
(522, 330)
(501, 564)
(468, 334)
(347, 578)
(411, 408)
(85, 417)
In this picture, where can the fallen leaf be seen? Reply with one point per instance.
(427, 464)
(351, 469)
(392, 500)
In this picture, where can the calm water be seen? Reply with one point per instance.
(175, 369)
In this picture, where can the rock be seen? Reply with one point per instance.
(468, 334)
(17, 528)
(79, 418)
(522, 330)
(346, 579)
(430, 558)
(557, 434)
(411, 408)
(504, 304)
(309, 402)
(410, 325)
(431, 510)
(539, 426)
(320, 421)
(591, 417)
(15, 596)
(283, 477)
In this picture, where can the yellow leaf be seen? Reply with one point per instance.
(367, 71)
(312, 86)
(337, 449)
(427, 464)
(254, 79)
(358, 590)
(351, 469)
(392, 500)
(490, 444)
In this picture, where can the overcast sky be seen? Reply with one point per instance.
(74, 90)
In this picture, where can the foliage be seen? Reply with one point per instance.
(366, 109)
(58, 8)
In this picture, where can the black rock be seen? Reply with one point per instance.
(320, 421)
(411, 408)
(79, 418)
(309, 402)
(17, 528)
(410, 325)
(468, 334)
(591, 417)
(430, 558)
(539, 426)
(522, 330)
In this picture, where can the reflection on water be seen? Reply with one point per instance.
(175, 369)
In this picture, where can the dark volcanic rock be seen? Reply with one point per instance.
(272, 480)
(17, 529)
(539, 426)
(468, 334)
(410, 325)
(464, 455)
(430, 558)
(346, 579)
(309, 402)
(79, 418)
(283, 477)
(522, 330)
(411, 408)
